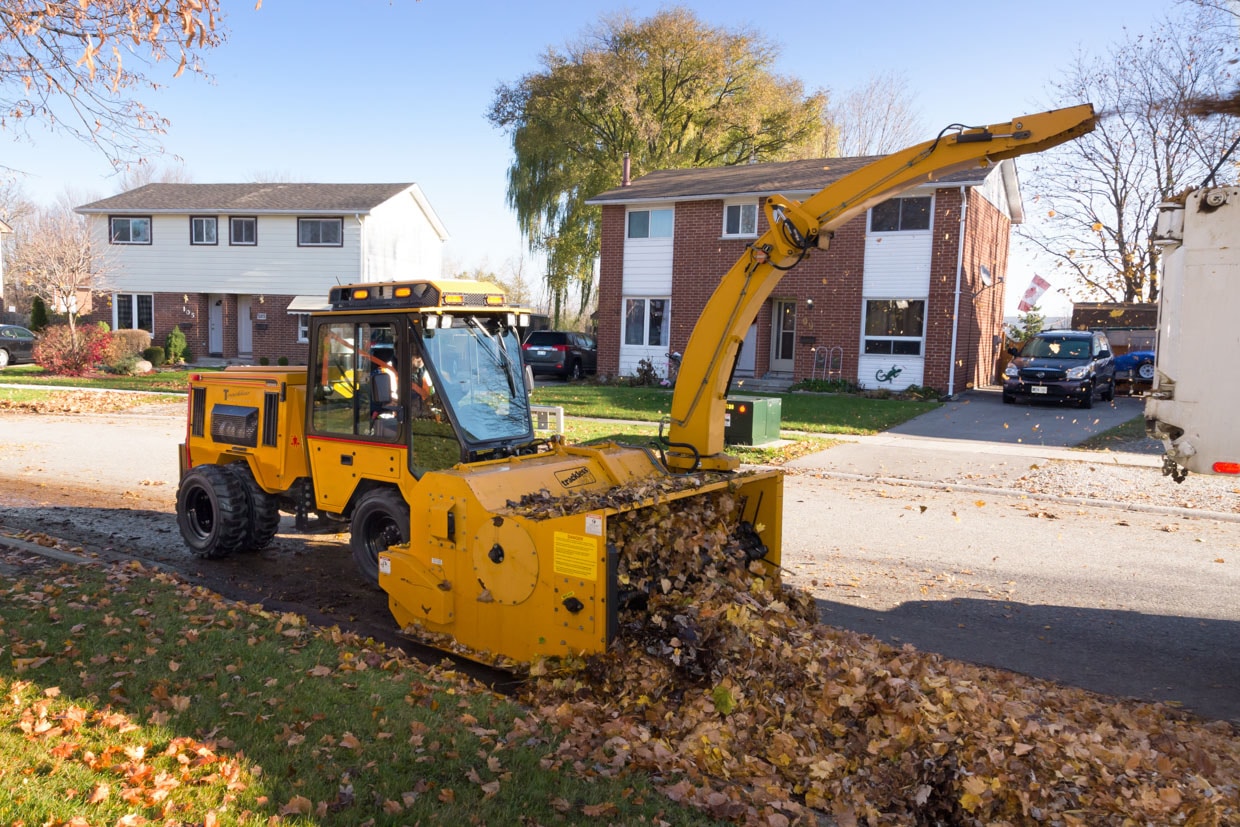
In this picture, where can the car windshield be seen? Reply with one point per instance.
(1051, 347)
(476, 368)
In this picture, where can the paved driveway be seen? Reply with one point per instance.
(981, 415)
(978, 434)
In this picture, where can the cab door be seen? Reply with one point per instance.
(356, 424)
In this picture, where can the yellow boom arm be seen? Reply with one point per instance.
(794, 228)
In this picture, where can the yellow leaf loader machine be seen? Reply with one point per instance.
(412, 422)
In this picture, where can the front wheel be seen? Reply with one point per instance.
(1009, 399)
(1087, 401)
(380, 520)
(1108, 395)
(574, 372)
(4, 358)
(212, 512)
(1146, 371)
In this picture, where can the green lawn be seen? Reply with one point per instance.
(815, 413)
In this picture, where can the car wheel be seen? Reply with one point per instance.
(1087, 401)
(211, 511)
(4, 358)
(380, 520)
(262, 509)
(1008, 399)
(1145, 370)
(574, 372)
(1108, 395)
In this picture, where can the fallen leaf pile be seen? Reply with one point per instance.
(726, 688)
(76, 402)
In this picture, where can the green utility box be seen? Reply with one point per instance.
(752, 420)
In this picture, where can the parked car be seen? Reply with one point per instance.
(1135, 366)
(562, 353)
(1074, 365)
(16, 345)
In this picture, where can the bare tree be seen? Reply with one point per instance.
(55, 260)
(15, 207)
(876, 118)
(143, 173)
(1094, 200)
(75, 66)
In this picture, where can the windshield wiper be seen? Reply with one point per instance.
(499, 356)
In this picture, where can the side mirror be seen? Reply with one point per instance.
(1013, 350)
(381, 388)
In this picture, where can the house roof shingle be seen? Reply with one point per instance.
(752, 179)
(248, 198)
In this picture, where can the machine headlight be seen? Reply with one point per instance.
(1011, 371)
(1078, 373)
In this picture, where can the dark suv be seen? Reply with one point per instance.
(1062, 364)
(561, 353)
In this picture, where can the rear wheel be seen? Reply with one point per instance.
(212, 512)
(262, 509)
(574, 372)
(380, 520)
(4, 358)
(1145, 370)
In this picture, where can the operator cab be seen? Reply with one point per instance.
(467, 399)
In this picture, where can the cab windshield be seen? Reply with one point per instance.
(476, 368)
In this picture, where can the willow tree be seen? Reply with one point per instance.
(1094, 201)
(670, 92)
(78, 67)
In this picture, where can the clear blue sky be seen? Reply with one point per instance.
(378, 91)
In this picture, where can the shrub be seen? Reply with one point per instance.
(38, 315)
(124, 366)
(920, 392)
(154, 355)
(176, 347)
(826, 386)
(282, 361)
(646, 375)
(57, 351)
(129, 342)
(264, 361)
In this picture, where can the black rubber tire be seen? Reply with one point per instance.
(211, 511)
(380, 520)
(1145, 371)
(262, 509)
(4, 358)
(1087, 401)
(1008, 399)
(1108, 395)
(574, 372)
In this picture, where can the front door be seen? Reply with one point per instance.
(215, 325)
(745, 360)
(784, 336)
(245, 327)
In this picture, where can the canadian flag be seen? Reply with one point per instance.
(1037, 287)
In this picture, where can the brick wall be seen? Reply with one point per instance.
(272, 337)
(833, 280)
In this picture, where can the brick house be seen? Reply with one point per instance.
(239, 266)
(911, 293)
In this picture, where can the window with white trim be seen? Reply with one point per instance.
(320, 232)
(647, 322)
(202, 229)
(895, 327)
(242, 231)
(133, 311)
(303, 327)
(740, 219)
(901, 215)
(650, 223)
(130, 229)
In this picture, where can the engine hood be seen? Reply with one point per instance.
(1035, 362)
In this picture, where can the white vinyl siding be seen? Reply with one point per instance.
(897, 267)
(648, 265)
(276, 265)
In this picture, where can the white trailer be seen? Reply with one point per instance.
(1195, 401)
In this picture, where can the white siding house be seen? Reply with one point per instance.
(236, 266)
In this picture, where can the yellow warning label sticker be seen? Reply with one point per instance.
(575, 555)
